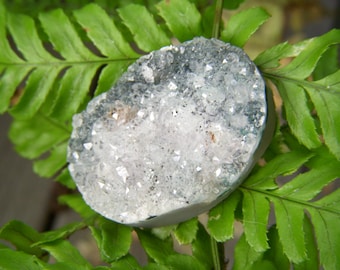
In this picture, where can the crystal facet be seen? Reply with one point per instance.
(177, 133)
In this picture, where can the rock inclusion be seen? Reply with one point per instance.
(176, 134)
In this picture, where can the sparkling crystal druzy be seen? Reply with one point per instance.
(177, 133)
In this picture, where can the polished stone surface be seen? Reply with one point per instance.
(175, 135)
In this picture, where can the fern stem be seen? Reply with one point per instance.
(55, 123)
(217, 254)
(217, 19)
(312, 84)
(69, 63)
(306, 204)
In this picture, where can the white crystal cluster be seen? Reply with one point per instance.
(176, 134)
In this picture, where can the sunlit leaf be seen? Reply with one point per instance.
(208, 21)
(11, 260)
(127, 263)
(245, 255)
(76, 202)
(283, 164)
(21, 236)
(303, 65)
(60, 233)
(180, 261)
(243, 24)
(40, 135)
(157, 249)
(182, 18)
(7, 55)
(65, 179)
(163, 232)
(298, 114)
(9, 82)
(186, 231)
(271, 57)
(109, 74)
(115, 240)
(331, 200)
(66, 266)
(202, 247)
(51, 165)
(326, 231)
(103, 32)
(289, 218)
(312, 260)
(37, 87)
(232, 4)
(2, 246)
(150, 36)
(154, 266)
(73, 91)
(307, 185)
(64, 37)
(221, 218)
(63, 251)
(27, 39)
(328, 63)
(255, 210)
(275, 252)
(326, 101)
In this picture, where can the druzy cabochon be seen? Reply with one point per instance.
(178, 132)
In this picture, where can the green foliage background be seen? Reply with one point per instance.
(53, 61)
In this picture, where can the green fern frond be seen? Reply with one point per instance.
(299, 195)
(302, 194)
(291, 201)
(297, 92)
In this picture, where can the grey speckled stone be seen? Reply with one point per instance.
(178, 132)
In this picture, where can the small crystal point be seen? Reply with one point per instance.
(178, 132)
